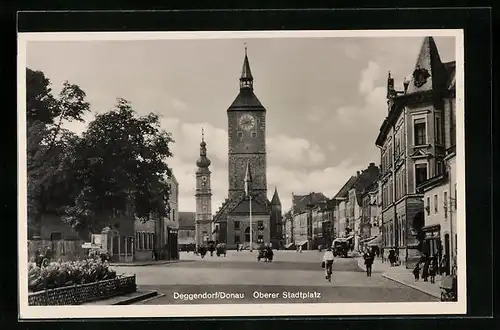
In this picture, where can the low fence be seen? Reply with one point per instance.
(62, 249)
(79, 294)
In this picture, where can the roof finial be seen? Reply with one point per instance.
(245, 48)
(202, 134)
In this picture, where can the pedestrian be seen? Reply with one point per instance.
(425, 269)
(382, 254)
(369, 258)
(416, 271)
(433, 269)
(328, 262)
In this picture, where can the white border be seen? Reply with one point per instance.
(358, 309)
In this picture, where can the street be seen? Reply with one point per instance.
(291, 278)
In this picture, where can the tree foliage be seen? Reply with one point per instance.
(121, 165)
(117, 166)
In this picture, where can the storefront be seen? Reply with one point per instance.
(432, 240)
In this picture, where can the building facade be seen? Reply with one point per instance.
(306, 219)
(440, 196)
(203, 197)
(187, 231)
(246, 155)
(412, 150)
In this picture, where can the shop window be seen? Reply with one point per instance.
(260, 239)
(419, 130)
(420, 173)
(236, 225)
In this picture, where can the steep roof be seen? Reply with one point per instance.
(246, 100)
(186, 220)
(451, 69)
(276, 199)
(300, 202)
(243, 207)
(347, 186)
(430, 73)
(246, 73)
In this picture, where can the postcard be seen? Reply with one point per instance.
(277, 173)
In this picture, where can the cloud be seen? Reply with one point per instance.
(369, 77)
(178, 104)
(288, 151)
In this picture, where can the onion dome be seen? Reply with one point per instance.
(203, 160)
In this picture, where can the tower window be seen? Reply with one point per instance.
(254, 134)
(240, 134)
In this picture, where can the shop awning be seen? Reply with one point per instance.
(301, 243)
(289, 245)
(377, 241)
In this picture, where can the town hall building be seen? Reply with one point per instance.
(247, 174)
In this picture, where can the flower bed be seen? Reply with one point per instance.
(78, 294)
(75, 282)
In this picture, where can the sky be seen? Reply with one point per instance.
(325, 98)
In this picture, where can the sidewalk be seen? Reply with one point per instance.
(404, 276)
(145, 263)
(126, 299)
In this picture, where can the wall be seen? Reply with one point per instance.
(244, 223)
(144, 251)
(63, 250)
(53, 224)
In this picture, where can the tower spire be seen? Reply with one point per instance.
(203, 160)
(246, 79)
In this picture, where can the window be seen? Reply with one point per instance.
(428, 205)
(55, 236)
(237, 239)
(260, 224)
(260, 239)
(436, 206)
(254, 134)
(236, 225)
(419, 132)
(398, 150)
(390, 155)
(438, 129)
(240, 134)
(420, 173)
(445, 204)
(455, 201)
(439, 167)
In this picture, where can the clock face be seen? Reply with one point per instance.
(203, 178)
(247, 122)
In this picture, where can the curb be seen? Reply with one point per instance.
(145, 296)
(159, 295)
(389, 277)
(125, 264)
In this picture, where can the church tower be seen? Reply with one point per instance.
(276, 221)
(203, 196)
(247, 139)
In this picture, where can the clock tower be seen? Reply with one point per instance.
(203, 196)
(247, 139)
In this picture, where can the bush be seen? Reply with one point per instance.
(59, 274)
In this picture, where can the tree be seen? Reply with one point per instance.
(48, 145)
(120, 164)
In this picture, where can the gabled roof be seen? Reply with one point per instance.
(347, 186)
(451, 69)
(300, 202)
(243, 207)
(187, 220)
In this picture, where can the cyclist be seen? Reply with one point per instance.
(328, 260)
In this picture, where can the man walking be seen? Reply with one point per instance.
(369, 258)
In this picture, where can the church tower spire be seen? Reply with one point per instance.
(246, 79)
(203, 196)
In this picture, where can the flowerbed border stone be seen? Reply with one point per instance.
(82, 293)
